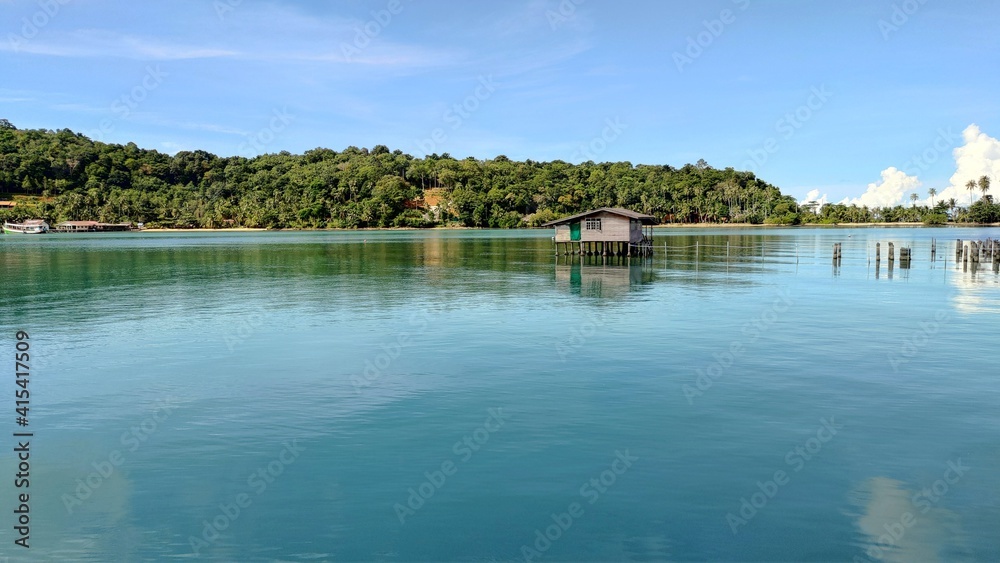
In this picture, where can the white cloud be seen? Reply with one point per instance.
(814, 196)
(895, 186)
(979, 156)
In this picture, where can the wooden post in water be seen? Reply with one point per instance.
(958, 251)
(892, 253)
(878, 252)
(904, 258)
(933, 250)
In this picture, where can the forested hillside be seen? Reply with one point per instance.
(71, 177)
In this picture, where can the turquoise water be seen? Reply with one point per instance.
(459, 396)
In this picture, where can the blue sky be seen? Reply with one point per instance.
(825, 96)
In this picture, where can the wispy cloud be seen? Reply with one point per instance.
(537, 16)
(330, 39)
(96, 43)
(105, 44)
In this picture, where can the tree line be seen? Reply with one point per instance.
(72, 177)
(982, 211)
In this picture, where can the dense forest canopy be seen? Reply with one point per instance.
(62, 175)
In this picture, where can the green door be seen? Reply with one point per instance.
(574, 231)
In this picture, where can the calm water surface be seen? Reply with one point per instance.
(468, 396)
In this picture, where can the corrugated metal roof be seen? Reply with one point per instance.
(646, 219)
(79, 223)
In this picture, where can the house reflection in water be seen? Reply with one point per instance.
(605, 277)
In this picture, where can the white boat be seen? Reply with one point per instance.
(30, 227)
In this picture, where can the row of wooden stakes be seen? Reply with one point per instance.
(971, 253)
(905, 254)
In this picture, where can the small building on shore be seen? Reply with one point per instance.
(91, 227)
(608, 231)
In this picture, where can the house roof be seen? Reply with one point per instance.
(79, 224)
(645, 219)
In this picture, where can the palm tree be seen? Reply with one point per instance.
(952, 204)
(914, 197)
(971, 186)
(932, 192)
(984, 184)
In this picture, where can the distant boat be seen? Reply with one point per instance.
(30, 227)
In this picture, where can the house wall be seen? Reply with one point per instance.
(614, 228)
(562, 233)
